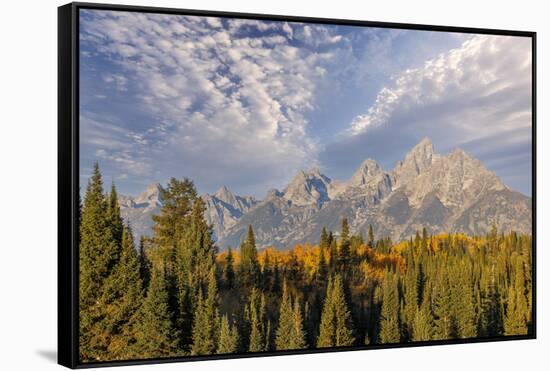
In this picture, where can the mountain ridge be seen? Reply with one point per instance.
(453, 192)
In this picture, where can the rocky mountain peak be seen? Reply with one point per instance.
(416, 161)
(151, 195)
(368, 170)
(225, 195)
(307, 187)
(420, 155)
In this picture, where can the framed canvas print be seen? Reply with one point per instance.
(235, 185)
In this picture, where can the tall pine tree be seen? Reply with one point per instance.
(99, 253)
(155, 334)
(121, 298)
(336, 328)
(229, 337)
(290, 332)
(249, 268)
(206, 319)
(389, 326)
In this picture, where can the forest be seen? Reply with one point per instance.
(174, 294)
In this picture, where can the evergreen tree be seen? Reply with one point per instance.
(424, 239)
(155, 334)
(176, 234)
(389, 326)
(177, 201)
(336, 327)
(266, 272)
(370, 242)
(206, 319)
(99, 252)
(121, 298)
(463, 303)
(324, 241)
(515, 322)
(322, 269)
(298, 338)
(249, 268)
(115, 220)
(196, 252)
(290, 332)
(257, 321)
(276, 282)
(345, 244)
(229, 337)
(144, 263)
(228, 274)
(423, 323)
(443, 309)
(333, 253)
(411, 298)
(491, 310)
(195, 260)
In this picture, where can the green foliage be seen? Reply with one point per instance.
(121, 298)
(410, 297)
(443, 310)
(370, 242)
(322, 269)
(206, 319)
(255, 313)
(324, 241)
(290, 332)
(423, 322)
(336, 328)
(229, 337)
(389, 330)
(228, 274)
(249, 268)
(99, 254)
(515, 322)
(144, 263)
(177, 200)
(155, 334)
(344, 253)
(195, 259)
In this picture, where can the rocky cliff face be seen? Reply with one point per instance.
(444, 193)
(224, 209)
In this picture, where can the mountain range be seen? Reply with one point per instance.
(444, 193)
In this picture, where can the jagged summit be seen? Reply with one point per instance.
(151, 195)
(225, 195)
(416, 160)
(308, 188)
(368, 170)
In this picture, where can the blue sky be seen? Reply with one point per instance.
(248, 103)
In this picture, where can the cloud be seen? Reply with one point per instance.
(120, 82)
(476, 96)
(229, 97)
(247, 103)
(469, 80)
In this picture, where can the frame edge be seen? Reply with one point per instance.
(66, 269)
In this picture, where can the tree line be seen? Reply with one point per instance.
(175, 294)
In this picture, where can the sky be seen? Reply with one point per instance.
(248, 103)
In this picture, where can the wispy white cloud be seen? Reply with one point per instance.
(217, 88)
(480, 86)
(229, 101)
(476, 96)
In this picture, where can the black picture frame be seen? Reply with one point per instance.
(69, 187)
